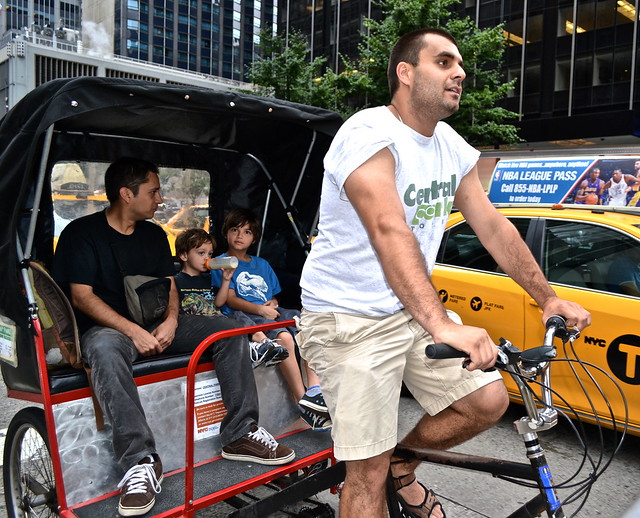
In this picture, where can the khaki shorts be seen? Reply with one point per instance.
(361, 362)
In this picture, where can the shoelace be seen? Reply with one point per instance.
(137, 477)
(261, 435)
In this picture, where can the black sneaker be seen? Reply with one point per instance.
(139, 487)
(315, 403)
(267, 352)
(258, 446)
(319, 422)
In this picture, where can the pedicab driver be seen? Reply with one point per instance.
(93, 254)
(369, 308)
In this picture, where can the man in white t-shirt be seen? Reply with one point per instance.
(392, 175)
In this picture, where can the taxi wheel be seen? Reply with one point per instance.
(29, 485)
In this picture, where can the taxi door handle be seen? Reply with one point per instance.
(533, 303)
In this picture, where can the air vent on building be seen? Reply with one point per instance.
(109, 72)
(47, 69)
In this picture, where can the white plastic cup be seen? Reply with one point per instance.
(217, 263)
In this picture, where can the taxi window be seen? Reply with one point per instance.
(461, 247)
(585, 255)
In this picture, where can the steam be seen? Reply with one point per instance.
(97, 40)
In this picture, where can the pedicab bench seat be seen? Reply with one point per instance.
(67, 379)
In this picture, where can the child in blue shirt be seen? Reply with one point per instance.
(252, 293)
(194, 247)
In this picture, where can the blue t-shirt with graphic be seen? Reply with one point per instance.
(254, 281)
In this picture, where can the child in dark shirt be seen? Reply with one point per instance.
(251, 294)
(194, 247)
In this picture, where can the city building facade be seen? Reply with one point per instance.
(29, 60)
(217, 37)
(576, 64)
(332, 27)
(213, 37)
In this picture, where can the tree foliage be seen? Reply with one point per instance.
(286, 71)
(479, 119)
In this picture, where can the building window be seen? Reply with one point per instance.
(133, 5)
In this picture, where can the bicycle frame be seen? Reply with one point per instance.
(537, 419)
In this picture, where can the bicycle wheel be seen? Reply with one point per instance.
(29, 485)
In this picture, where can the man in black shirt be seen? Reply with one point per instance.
(93, 255)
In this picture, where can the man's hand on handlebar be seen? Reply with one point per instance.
(473, 341)
(574, 314)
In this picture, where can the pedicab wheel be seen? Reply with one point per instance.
(29, 485)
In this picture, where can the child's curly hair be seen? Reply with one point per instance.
(192, 238)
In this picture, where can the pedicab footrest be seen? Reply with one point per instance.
(221, 479)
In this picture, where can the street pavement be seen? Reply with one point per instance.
(615, 493)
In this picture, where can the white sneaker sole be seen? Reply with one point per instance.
(259, 460)
(312, 406)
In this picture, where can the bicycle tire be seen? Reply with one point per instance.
(29, 484)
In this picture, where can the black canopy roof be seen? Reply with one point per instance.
(285, 137)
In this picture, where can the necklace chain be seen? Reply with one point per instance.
(397, 113)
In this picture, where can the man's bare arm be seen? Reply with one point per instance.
(166, 331)
(504, 243)
(372, 190)
(83, 298)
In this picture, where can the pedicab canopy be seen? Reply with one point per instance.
(261, 153)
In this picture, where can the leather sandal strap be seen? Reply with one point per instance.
(397, 481)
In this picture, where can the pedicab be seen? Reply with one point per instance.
(230, 149)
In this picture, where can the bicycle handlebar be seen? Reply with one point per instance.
(510, 355)
(521, 364)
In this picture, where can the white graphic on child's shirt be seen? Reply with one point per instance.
(251, 286)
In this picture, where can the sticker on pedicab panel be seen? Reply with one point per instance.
(8, 341)
(623, 358)
(209, 409)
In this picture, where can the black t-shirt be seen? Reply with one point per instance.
(85, 254)
(196, 294)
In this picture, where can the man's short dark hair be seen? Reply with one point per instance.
(240, 218)
(126, 172)
(407, 49)
(192, 238)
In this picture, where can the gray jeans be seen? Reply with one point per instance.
(250, 319)
(110, 355)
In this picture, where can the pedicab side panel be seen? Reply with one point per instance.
(102, 118)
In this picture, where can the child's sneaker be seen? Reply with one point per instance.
(319, 422)
(315, 403)
(267, 352)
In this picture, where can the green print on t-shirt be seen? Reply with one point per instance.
(440, 192)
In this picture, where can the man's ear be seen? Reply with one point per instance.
(126, 194)
(404, 71)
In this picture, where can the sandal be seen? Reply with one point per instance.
(416, 511)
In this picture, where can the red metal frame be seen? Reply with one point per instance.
(189, 506)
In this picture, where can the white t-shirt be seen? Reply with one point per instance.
(342, 272)
(618, 193)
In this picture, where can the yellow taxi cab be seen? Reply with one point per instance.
(193, 216)
(588, 253)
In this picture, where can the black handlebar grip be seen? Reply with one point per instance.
(441, 351)
(557, 321)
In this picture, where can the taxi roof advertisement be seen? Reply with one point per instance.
(593, 180)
